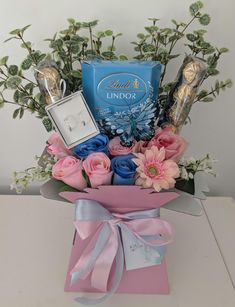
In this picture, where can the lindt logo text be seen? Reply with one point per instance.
(126, 85)
(118, 88)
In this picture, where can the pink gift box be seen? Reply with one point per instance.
(122, 199)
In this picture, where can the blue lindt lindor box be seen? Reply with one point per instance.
(122, 96)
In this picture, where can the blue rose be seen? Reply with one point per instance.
(96, 144)
(124, 170)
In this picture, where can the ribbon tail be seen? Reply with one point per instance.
(86, 262)
(104, 262)
(116, 279)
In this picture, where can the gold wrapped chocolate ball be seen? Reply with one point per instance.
(49, 81)
(184, 91)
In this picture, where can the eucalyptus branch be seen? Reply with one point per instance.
(112, 45)
(205, 96)
(28, 48)
(25, 107)
(91, 40)
(25, 78)
(173, 43)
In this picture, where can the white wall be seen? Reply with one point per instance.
(213, 125)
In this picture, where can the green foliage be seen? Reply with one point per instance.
(13, 82)
(79, 41)
(68, 48)
(47, 124)
(13, 70)
(208, 96)
(3, 61)
(22, 179)
(158, 43)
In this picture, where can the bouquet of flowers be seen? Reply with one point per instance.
(121, 135)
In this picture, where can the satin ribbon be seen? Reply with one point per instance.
(107, 233)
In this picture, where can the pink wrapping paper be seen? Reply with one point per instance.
(122, 199)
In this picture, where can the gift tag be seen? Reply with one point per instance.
(137, 254)
(72, 119)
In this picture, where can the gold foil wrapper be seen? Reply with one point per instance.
(182, 96)
(49, 81)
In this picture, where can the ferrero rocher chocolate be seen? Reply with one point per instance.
(49, 81)
(184, 91)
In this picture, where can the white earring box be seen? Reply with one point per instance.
(73, 119)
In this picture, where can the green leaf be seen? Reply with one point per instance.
(149, 30)
(200, 32)
(23, 98)
(75, 48)
(89, 24)
(123, 57)
(76, 73)
(10, 38)
(94, 23)
(30, 87)
(15, 32)
(223, 50)
(108, 54)
(47, 124)
(42, 57)
(26, 64)
(202, 94)
(2, 83)
(21, 112)
(3, 61)
(67, 188)
(1, 103)
(217, 87)
(195, 7)
(153, 19)
(13, 82)
(108, 32)
(175, 22)
(140, 35)
(229, 83)
(207, 99)
(191, 37)
(16, 96)
(213, 71)
(148, 48)
(15, 113)
(26, 45)
(19, 31)
(86, 177)
(71, 21)
(139, 57)
(13, 70)
(204, 19)
(100, 34)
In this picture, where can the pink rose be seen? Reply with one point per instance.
(69, 170)
(56, 146)
(174, 145)
(97, 167)
(141, 147)
(116, 149)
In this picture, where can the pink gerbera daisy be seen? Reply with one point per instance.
(154, 171)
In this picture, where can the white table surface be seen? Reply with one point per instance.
(35, 243)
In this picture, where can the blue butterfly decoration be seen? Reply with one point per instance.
(138, 123)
